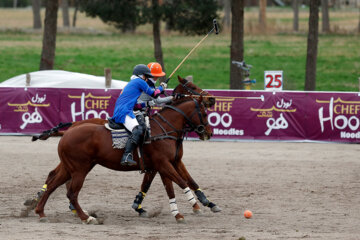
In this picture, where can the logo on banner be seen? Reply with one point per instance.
(90, 107)
(343, 116)
(279, 123)
(34, 117)
(274, 123)
(30, 117)
(220, 118)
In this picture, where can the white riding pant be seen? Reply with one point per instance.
(130, 123)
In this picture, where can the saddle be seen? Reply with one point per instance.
(120, 134)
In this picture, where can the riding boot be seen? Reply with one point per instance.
(131, 144)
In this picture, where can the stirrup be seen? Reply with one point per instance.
(126, 161)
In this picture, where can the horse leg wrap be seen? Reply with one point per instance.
(202, 198)
(138, 200)
(72, 208)
(41, 192)
(173, 207)
(190, 197)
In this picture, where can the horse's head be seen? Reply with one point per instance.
(194, 117)
(203, 128)
(187, 87)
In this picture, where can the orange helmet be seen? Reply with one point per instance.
(156, 69)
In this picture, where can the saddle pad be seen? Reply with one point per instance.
(119, 138)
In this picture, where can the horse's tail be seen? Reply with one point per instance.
(52, 132)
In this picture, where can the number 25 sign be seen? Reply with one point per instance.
(273, 80)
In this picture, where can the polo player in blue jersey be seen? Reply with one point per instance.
(124, 106)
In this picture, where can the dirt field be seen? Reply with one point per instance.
(295, 191)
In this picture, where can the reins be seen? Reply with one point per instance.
(190, 125)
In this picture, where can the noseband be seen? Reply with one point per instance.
(200, 129)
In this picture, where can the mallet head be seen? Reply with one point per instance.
(216, 26)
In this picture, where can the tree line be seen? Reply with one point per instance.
(192, 17)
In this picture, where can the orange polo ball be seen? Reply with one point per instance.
(247, 214)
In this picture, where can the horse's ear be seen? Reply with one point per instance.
(181, 80)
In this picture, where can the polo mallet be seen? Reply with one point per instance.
(216, 28)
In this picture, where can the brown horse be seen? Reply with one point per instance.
(184, 87)
(86, 145)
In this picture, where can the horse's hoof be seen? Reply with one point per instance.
(91, 220)
(44, 220)
(30, 202)
(215, 209)
(144, 214)
(180, 218)
(197, 211)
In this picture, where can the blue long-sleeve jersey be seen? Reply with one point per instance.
(128, 97)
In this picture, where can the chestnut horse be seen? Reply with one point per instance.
(84, 146)
(184, 87)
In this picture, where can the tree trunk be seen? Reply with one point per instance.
(36, 6)
(15, 2)
(325, 16)
(49, 36)
(65, 13)
(262, 15)
(310, 80)
(359, 22)
(75, 14)
(227, 14)
(237, 43)
(296, 15)
(156, 33)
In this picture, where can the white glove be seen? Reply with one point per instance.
(151, 103)
(164, 85)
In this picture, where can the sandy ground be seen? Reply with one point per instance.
(295, 191)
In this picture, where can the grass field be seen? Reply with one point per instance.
(94, 46)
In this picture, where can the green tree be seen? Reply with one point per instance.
(188, 16)
(123, 14)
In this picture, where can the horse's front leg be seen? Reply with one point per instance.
(172, 201)
(181, 169)
(168, 175)
(146, 183)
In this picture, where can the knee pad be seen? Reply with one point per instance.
(137, 133)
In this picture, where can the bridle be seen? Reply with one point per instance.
(190, 125)
(184, 85)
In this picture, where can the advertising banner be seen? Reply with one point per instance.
(237, 115)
